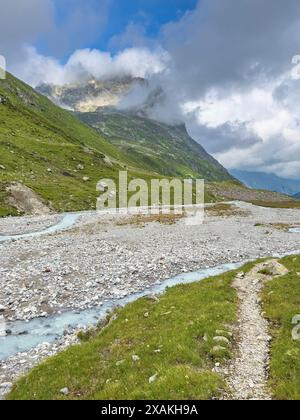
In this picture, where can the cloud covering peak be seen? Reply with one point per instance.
(228, 69)
(87, 63)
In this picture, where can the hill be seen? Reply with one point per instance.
(168, 150)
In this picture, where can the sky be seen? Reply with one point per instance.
(229, 69)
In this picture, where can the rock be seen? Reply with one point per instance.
(153, 378)
(6, 385)
(2, 326)
(80, 167)
(224, 333)
(64, 391)
(135, 358)
(23, 333)
(120, 362)
(152, 297)
(146, 315)
(218, 350)
(220, 339)
(86, 179)
(108, 162)
(103, 185)
(2, 308)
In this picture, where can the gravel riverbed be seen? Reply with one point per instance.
(103, 258)
(23, 225)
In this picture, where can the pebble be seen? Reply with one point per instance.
(64, 391)
(223, 340)
(153, 378)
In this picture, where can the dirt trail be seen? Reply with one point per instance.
(247, 375)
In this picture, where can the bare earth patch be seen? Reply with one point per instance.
(26, 200)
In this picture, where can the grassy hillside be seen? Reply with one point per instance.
(165, 149)
(50, 151)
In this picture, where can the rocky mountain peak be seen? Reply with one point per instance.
(92, 94)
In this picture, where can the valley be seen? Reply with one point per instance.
(104, 259)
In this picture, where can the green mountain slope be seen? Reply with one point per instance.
(168, 150)
(60, 158)
(50, 151)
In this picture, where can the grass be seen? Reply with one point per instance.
(225, 210)
(288, 204)
(173, 338)
(266, 272)
(5, 208)
(281, 302)
(228, 191)
(167, 150)
(279, 226)
(141, 220)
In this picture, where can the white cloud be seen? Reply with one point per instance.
(86, 63)
(238, 89)
(274, 124)
(22, 22)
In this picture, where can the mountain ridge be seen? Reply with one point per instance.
(167, 149)
(89, 95)
(270, 182)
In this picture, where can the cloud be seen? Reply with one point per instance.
(225, 68)
(22, 22)
(27, 22)
(80, 23)
(134, 35)
(258, 128)
(228, 44)
(232, 75)
(86, 63)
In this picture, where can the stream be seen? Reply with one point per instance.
(25, 335)
(67, 221)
